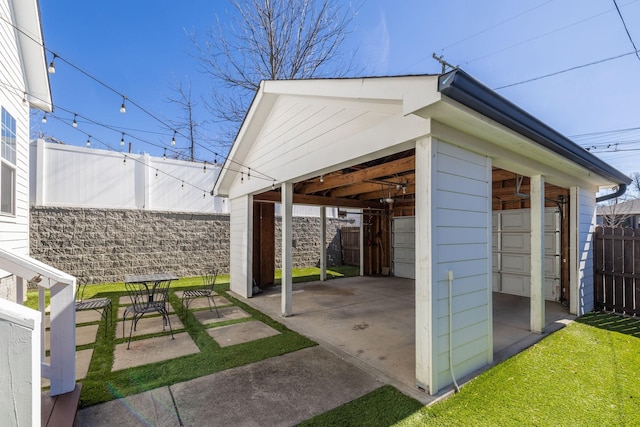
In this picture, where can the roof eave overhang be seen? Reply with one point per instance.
(464, 89)
(32, 51)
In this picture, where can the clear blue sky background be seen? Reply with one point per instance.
(140, 47)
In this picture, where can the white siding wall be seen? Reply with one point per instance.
(241, 235)
(64, 175)
(14, 230)
(583, 226)
(461, 243)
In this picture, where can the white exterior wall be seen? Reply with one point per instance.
(582, 226)
(458, 226)
(14, 230)
(64, 175)
(241, 244)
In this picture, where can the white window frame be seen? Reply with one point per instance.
(8, 160)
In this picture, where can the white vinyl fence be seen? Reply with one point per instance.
(69, 176)
(64, 175)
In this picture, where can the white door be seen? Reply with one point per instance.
(404, 246)
(512, 252)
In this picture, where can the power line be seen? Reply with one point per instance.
(256, 173)
(566, 70)
(627, 30)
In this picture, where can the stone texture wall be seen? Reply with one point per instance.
(103, 245)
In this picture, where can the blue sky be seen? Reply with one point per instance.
(140, 47)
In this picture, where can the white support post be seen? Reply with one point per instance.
(287, 236)
(425, 313)
(537, 254)
(362, 243)
(574, 252)
(62, 342)
(40, 172)
(323, 243)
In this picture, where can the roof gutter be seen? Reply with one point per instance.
(463, 88)
(622, 188)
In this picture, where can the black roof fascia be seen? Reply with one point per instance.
(464, 89)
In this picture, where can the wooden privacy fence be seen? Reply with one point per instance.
(617, 270)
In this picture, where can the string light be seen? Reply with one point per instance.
(321, 178)
(241, 177)
(24, 99)
(273, 185)
(215, 160)
(52, 65)
(182, 184)
(164, 156)
(249, 175)
(44, 118)
(173, 139)
(123, 108)
(204, 194)
(122, 140)
(89, 141)
(85, 73)
(156, 173)
(75, 121)
(204, 168)
(124, 162)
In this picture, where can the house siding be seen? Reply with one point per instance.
(461, 211)
(14, 230)
(585, 219)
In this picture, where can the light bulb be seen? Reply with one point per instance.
(44, 118)
(75, 122)
(164, 156)
(89, 141)
(52, 65)
(123, 108)
(122, 140)
(204, 168)
(24, 99)
(173, 139)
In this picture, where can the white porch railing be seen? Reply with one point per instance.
(61, 370)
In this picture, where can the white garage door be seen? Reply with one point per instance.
(512, 252)
(404, 247)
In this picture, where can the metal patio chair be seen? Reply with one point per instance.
(147, 298)
(208, 280)
(101, 305)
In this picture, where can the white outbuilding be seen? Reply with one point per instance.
(459, 189)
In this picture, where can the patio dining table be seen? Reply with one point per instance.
(148, 293)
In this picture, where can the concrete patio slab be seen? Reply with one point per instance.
(151, 408)
(152, 350)
(226, 313)
(370, 321)
(280, 391)
(240, 333)
(148, 325)
(84, 335)
(83, 359)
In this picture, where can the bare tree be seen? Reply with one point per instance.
(270, 39)
(635, 182)
(186, 123)
(615, 212)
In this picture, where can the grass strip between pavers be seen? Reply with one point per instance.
(102, 385)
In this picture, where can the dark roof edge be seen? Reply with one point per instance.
(464, 89)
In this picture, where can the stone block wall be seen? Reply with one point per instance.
(102, 245)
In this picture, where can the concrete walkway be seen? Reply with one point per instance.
(281, 391)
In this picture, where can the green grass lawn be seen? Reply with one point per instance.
(101, 384)
(587, 374)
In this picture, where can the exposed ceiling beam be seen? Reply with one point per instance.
(375, 195)
(373, 172)
(302, 199)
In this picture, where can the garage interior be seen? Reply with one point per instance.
(384, 189)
